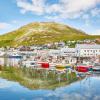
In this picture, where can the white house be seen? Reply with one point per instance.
(67, 51)
(54, 53)
(87, 50)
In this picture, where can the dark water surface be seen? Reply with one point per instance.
(86, 89)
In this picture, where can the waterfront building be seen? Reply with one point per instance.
(87, 50)
(54, 52)
(66, 51)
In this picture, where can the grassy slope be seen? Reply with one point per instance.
(41, 33)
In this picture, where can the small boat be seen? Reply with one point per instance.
(83, 68)
(68, 66)
(52, 66)
(96, 67)
(30, 63)
(14, 55)
(60, 67)
(44, 64)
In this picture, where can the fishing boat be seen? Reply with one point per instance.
(96, 67)
(14, 55)
(68, 66)
(52, 66)
(44, 64)
(60, 67)
(29, 63)
(83, 68)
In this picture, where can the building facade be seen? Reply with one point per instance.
(87, 50)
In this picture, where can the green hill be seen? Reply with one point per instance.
(41, 33)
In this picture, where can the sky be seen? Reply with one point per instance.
(81, 14)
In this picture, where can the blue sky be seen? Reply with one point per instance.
(81, 14)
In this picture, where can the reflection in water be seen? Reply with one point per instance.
(86, 89)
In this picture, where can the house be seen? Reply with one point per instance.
(54, 52)
(68, 51)
(61, 44)
(87, 50)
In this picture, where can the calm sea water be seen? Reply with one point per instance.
(86, 89)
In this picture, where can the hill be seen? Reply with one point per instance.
(42, 33)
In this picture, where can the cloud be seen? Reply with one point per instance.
(95, 12)
(74, 96)
(5, 84)
(36, 6)
(15, 22)
(63, 8)
(86, 19)
(4, 25)
(96, 98)
(97, 32)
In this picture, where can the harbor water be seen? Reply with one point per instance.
(86, 89)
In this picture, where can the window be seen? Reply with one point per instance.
(87, 50)
(84, 50)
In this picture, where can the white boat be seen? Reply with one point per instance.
(14, 55)
(30, 63)
(96, 67)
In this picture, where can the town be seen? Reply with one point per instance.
(55, 54)
(50, 50)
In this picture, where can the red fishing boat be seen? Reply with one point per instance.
(44, 64)
(83, 68)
